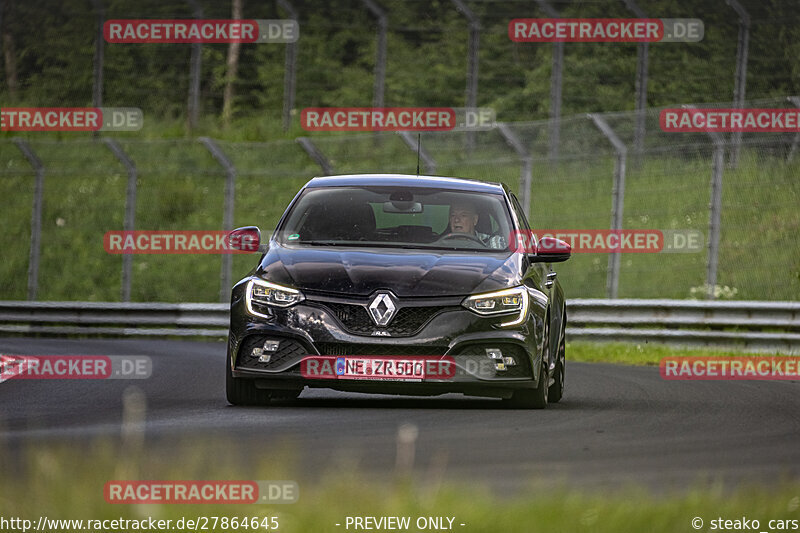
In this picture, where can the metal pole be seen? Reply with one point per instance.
(380, 52)
(555, 87)
(290, 70)
(98, 59)
(526, 171)
(428, 161)
(318, 157)
(715, 217)
(796, 141)
(617, 201)
(715, 209)
(642, 65)
(740, 82)
(130, 211)
(472, 63)
(36, 216)
(227, 213)
(195, 64)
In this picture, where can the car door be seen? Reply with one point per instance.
(541, 276)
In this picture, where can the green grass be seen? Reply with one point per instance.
(649, 353)
(64, 482)
(180, 186)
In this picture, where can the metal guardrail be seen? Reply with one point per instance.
(121, 319)
(770, 326)
(751, 325)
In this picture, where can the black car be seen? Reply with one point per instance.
(399, 284)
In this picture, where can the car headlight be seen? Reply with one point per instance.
(266, 293)
(512, 302)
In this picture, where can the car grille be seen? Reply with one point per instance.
(520, 370)
(288, 350)
(330, 348)
(407, 322)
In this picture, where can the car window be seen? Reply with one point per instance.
(398, 217)
(520, 212)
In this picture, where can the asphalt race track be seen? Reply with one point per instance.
(616, 424)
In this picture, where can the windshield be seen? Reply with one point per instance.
(399, 217)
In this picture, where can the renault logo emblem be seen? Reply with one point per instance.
(382, 309)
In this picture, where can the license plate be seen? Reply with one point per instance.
(380, 368)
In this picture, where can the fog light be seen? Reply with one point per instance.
(271, 346)
(509, 361)
(494, 353)
(257, 351)
(499, 365)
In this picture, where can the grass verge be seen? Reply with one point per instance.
(67, 483)
(641, 354)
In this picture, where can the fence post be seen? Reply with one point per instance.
(290, 70)
(227, 213)
(642, 65)
(617, 200)
(472, 63)
(796, 141)
(427, 160)
(555, 87)
(36, 216)
(318, 157)
(740, 81)
(380, 52)
(98, 59)
(130, 211)
(514, 142)
(195, 63)
(715, 209)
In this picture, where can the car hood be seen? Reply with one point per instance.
(407, 273)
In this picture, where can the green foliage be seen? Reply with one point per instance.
(34, 479)
(427, 59)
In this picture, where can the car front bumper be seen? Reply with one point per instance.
(446, 331)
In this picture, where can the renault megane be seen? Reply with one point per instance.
(400, 285)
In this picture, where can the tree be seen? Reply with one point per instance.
(232, 64)
(9, 50)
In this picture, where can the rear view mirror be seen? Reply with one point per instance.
(246, 239)
(402, 207)
(551, 250)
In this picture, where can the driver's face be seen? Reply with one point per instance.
(463, 219)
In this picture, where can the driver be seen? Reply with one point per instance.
(464, 218)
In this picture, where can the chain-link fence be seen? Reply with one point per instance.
(395, 53)
(59, 198)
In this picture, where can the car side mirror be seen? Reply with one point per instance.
(246, 239)
(551, 250)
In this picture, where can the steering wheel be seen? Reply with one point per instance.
(469, 236)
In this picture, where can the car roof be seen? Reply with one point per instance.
(407, 180)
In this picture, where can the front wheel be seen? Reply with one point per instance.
(556, 391)
(534, 398)
(241, 391)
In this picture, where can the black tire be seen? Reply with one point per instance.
(556, 391)
(534, 398)
(241, 391)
